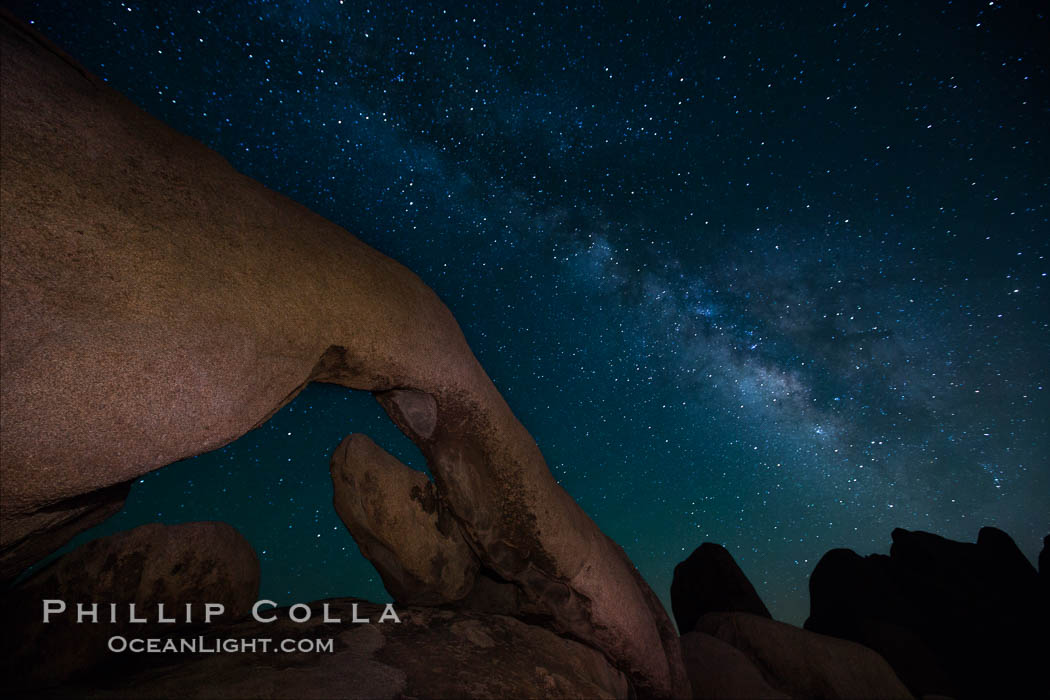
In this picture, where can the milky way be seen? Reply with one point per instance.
(768, 278)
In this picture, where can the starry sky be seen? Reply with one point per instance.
(752, 274)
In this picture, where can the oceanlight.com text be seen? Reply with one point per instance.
(205, 645)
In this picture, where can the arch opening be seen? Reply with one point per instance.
(273, 485)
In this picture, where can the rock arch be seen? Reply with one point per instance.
(157, 304)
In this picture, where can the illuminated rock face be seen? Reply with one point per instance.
(157, 304)
(401, 525)
(431, 653)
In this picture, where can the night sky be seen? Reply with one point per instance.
(768, 277)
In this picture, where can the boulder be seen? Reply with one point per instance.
(430, 653)
(158, 304)
(711, 581)
(720, 671)
(840, 585)
(959, 619)
(170, 565)
(401, 525)
(804, 664)
(58, 523)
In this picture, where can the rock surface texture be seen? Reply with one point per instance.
(803, 664)
(960, 619)
(400, 525)
(195, 563)
(711, 581)
(157, 304)
(719, 671)
(431, 653)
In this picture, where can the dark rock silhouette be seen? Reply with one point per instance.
(172, 565)
(718, 670)
(953, 618)
(804, 664)
(710, 581)
(431, 653)
(158, 304)
(1044, 564)
(841, 581)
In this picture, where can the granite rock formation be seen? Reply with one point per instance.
(840, 586)
(58, 523)
(959, 619)
(431, 653)
(719, 671)
(803, 664)
(170, 565)
(711, 581)
(400, 525)
(158, 304)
